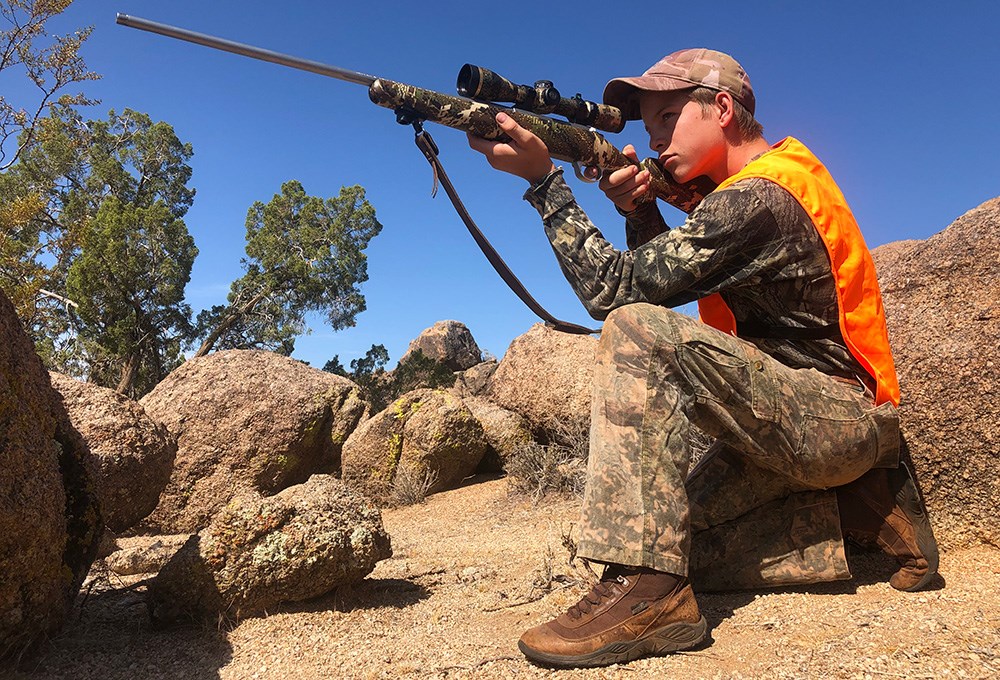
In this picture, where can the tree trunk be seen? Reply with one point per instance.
(234, 315)
(129, 372)
(216, 333)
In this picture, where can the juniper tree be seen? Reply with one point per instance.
(103, 202)
(303, 254)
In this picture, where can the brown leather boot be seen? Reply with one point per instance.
(884, 507)
(632, 612)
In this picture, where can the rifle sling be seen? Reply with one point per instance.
(427, 146)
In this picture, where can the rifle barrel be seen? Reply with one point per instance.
(245, 50)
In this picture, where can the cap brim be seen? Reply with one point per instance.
(624, 92)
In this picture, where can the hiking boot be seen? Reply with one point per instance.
(632, 612)
(884, 508)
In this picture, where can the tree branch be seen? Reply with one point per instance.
(55, 296)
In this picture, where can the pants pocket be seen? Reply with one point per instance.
(838, 441)
(763, 385)
(734, 374)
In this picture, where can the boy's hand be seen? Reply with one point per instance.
(625, 185)
(525, 155)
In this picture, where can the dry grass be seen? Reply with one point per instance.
(410, 485)
(536, 469)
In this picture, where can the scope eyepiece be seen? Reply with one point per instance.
(585, 112)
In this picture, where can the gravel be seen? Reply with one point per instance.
(472, 568)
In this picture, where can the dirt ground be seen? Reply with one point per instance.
(474, 567)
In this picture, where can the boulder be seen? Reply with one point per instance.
(246, 420)
(547, 377)
(942, 300)
(144, 554)
(430, 434)
(50, 525)
(449, 343)
(474, 381)
(505, 431)
(259, 552)
(133, 455)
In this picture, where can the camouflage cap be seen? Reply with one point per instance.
(698, 67)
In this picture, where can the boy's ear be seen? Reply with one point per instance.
(725, 106)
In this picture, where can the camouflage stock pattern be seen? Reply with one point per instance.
(565, 141)
(684, 197)
(796, 431)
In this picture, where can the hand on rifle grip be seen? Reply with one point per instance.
(625, 186)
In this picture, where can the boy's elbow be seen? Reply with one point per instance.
(597, 309)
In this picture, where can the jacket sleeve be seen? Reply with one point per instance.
(723, 243)
(643, 224)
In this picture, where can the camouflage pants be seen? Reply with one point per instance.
(757, 503)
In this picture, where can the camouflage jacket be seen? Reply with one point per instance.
(752, 242)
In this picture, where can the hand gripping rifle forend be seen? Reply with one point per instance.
(565, 141)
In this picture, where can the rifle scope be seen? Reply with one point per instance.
(483, 84)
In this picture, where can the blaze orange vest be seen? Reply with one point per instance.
(862, 318)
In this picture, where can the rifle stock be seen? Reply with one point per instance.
(565, 141)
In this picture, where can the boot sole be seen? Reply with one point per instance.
(674, 637)
(911, 502)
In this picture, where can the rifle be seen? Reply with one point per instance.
(571, 141)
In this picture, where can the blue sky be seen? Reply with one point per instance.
(898, 98)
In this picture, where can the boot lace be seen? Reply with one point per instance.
(602, 590)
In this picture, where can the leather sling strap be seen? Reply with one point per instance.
(427, 147)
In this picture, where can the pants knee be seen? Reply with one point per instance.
(641, 322)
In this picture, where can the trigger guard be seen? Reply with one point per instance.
(578, 170)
